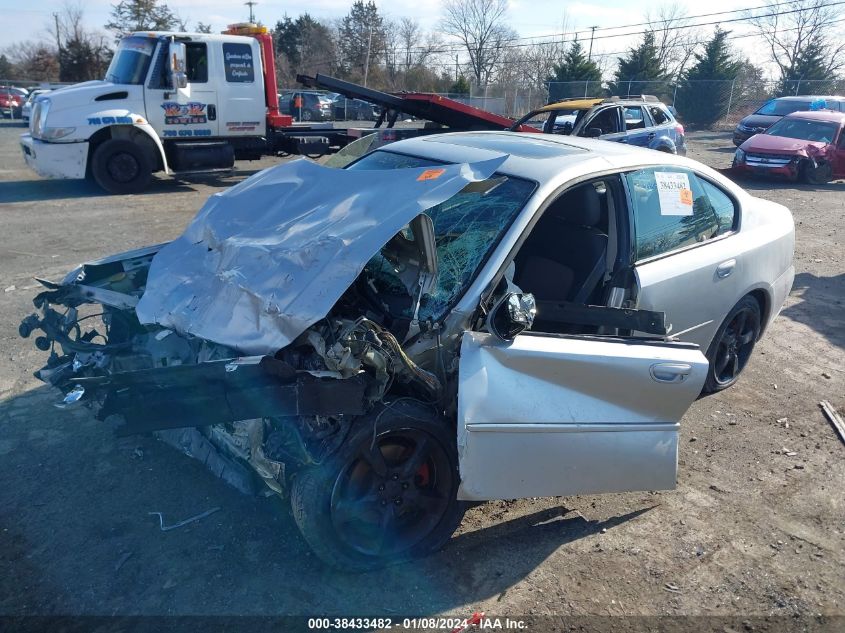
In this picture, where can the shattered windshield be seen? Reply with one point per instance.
(804, 130)
(467, 228)
(131, 61)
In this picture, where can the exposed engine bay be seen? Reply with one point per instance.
(281, 409)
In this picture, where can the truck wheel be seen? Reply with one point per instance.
(732, 346)
(387, 495)
(120, 166)
(818, 175)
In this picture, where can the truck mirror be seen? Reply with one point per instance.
(178, 64)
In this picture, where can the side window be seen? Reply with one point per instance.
(672, 209)
(658, 115)
(722, 204)
(196, 56)
(238, 64)
(635, 118)
(606, 120)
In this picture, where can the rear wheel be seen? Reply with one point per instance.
(120, 166)
(732, 346)
(387, 495)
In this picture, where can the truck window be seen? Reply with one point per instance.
(196, 55)
(239, 66)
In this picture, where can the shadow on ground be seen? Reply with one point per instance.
(76, 536)
(821, 306)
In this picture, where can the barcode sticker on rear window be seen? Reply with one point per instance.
(674, 193)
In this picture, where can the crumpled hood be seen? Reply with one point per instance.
(266, 259)
(779, 144)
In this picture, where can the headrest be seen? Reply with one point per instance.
(580, 206)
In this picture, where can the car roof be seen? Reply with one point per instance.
(538, 157)
(818, 115)
(572, 104)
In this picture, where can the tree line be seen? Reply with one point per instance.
(473, 45)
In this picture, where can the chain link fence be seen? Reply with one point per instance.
(708, 103)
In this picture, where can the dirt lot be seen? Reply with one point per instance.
(750, 531)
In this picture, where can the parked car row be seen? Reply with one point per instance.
(306, 105)
(799, 138)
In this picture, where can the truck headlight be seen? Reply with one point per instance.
(55, 133)
(739, 157)
(39, 116)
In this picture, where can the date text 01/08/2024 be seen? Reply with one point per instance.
(454, 625)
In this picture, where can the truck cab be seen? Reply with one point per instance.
(170, 102)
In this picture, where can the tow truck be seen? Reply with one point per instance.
(187, 103)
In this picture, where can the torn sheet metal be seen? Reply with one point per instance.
(266, 259)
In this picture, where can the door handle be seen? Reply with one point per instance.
(725, 268)
(670, 372)
(212, 112)
(651, 135)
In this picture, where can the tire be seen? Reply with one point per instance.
(357, 519)
(732, 346)
(818, 175)
(120, 166)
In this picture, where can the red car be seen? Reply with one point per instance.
(11, 101)
(808, 146)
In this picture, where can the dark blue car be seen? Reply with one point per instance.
(642, 121)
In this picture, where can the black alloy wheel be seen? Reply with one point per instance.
(383, 497)
(733, 344)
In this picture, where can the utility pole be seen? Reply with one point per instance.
(592, 33)
(58, 40)
(250, 4)
(456, 68)
(367, 60)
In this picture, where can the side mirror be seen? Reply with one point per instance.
(177, 65)
(594, 132)
(514, 313)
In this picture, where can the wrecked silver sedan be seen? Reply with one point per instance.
(457, 318)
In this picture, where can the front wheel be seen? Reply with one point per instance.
(732, 346)
(389, 493)
(120, 166)
(818, 175)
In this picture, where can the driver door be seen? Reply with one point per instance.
(550, 414)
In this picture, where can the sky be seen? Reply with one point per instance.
(530, 18)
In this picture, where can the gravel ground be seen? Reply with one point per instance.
(750, 530)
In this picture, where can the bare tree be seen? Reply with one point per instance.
(674, 39)
(479, 25)
(789, 30)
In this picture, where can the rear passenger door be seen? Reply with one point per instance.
(638, 126)
(687, 260)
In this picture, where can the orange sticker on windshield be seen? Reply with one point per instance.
(431, 174)
(686, 196)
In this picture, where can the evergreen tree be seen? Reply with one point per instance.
(460, 87)
(574, 67)
(810, 66)
(359, 32)
(641, 64)
(140, 15)
(306, 44)
(704, 91)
